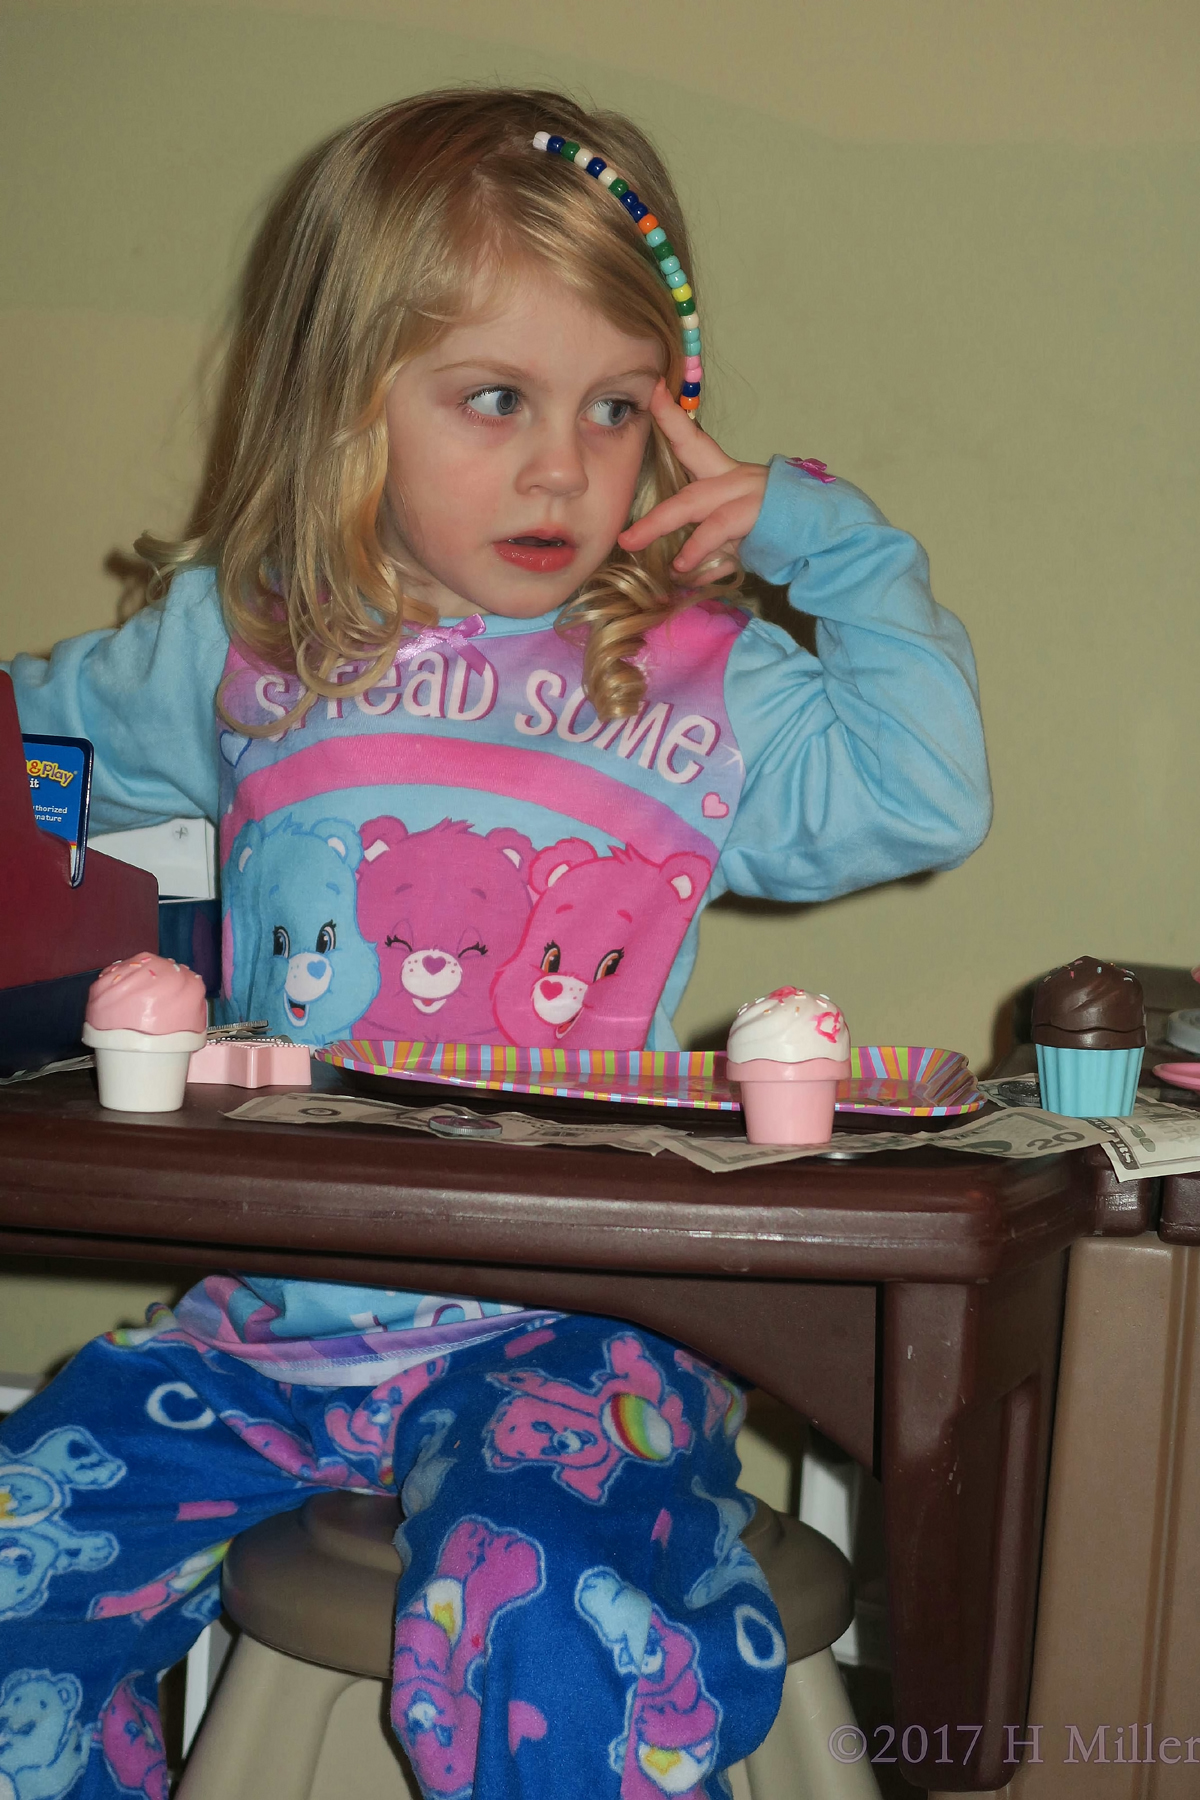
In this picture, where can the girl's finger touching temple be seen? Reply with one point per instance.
(700, 455)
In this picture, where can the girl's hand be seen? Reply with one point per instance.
(722, 500)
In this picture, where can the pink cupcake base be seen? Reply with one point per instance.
(789, 1103)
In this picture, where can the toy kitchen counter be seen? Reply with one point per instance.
(909, 1304)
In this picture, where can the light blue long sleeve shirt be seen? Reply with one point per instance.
(753, 767)
(839, 771)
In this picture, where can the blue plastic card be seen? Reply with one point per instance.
(60, 783)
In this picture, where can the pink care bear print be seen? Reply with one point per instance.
(443, 1640)
(598, 946)
(584, 1435)
(483, 939)
(444, 908)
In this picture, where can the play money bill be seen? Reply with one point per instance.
(447, 1121)
(1021, 1133)
(1159, 1139)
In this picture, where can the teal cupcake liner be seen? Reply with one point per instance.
(1081, 1084)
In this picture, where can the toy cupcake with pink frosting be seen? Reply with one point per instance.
(787, 1052)
(144, 1019)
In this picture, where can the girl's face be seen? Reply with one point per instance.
(514, 449)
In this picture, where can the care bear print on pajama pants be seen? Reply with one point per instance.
(369, 1432)
(442, 1635)
(43, 1747)
(293, 953)
(35, 1543)
(445, 908)
(598, 946)
(153, 1597)
(132, 1743)
(669, 1743)
(586, 1434)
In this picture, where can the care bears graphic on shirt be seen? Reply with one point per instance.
(43, 1747)
(440, 1637)
(669, 1744)
(586, 1434)
(444, 908)
(131, 1738)
(35, 1543)
(293, 952)
(597, 947)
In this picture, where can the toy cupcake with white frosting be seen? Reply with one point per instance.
(787, 1052)
(144, 1019)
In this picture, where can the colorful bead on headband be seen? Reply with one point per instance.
(660, 247)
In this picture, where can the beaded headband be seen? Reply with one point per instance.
(657, 242)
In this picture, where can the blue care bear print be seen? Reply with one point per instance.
(36, 1543)
(294, 954)
(43, 1746)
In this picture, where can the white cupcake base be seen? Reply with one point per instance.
(139, 1072)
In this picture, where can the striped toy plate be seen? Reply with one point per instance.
(911, 1079)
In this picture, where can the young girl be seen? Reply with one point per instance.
(483, 733)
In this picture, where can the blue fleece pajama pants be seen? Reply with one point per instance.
(577, 1617)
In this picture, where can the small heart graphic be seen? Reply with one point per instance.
(524, 1721)
(433, 965)
(550, 989)
(828, 1024)
(713, 807)
(233, 747)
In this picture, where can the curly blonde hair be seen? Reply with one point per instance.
(365, 259)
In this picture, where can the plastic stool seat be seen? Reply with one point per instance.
(319, 1583)
(809, 1578)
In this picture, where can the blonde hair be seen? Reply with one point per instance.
(366, 258)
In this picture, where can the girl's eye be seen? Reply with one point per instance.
(326, 938)
(281, 944)
(608, 965)
(612, 413)
(551, 957)
(494, 403)
(389, 941)
(481, 950)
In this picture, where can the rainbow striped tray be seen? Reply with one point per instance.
(885, 1078)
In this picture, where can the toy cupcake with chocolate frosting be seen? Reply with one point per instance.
(1089, 1030)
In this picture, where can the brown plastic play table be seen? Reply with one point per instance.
(909, 1305)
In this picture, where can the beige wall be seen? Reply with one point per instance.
(949, 248)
